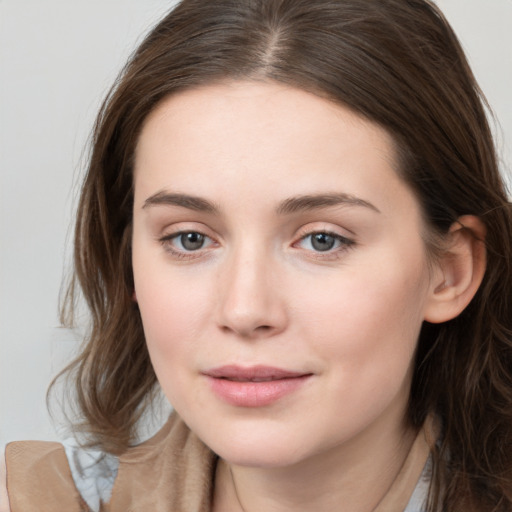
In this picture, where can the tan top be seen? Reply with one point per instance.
(171, 472)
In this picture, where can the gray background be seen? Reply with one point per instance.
(57, 60)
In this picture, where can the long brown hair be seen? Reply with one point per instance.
(395, 62)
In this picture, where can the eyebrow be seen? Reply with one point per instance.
(185, 201)
(287, 207)
(317, 201)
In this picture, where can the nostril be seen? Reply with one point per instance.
(249, 332)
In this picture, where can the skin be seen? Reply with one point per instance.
(259, 292)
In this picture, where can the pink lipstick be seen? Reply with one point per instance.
(254, 386)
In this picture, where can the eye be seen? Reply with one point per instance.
(191, 241)
(323, 241)
(185, 242)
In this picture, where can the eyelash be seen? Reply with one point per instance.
(182, 254)
(344, 244)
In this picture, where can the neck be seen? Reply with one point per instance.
(357, 475)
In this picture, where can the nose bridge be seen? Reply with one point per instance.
(250, 302)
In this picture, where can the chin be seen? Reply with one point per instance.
(256, 447)
(262, 456)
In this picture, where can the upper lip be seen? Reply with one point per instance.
(252, 373)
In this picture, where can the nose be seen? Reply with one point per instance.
(251, 301)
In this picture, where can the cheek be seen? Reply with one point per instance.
(368, 311)
(365, 326)
(172, 308)
(172, 322)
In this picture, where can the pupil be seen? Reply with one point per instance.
(322, 242)
(192, 241)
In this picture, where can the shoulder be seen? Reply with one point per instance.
(4, 499)
(176, 465)
(67, 471)
(39, 477)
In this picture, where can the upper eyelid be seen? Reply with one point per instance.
(176, 228)
(326, 231)
(335, 235)
(176, 234)
(325, 227)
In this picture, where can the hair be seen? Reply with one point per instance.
(394, 62)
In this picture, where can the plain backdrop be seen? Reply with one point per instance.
(57, 60)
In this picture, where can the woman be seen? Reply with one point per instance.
(294, 223)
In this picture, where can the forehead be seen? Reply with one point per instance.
(264, 137)
(255, 104)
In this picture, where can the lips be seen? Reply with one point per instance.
(254, 386)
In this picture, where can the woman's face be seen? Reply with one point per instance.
(279, 269)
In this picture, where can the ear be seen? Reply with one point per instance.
(459, 271)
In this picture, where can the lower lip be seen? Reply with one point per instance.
(255, 394)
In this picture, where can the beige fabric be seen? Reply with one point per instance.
(39, 478)
(172, 472)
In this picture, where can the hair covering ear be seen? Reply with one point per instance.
(460, 270)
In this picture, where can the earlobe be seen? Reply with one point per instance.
(459, 271)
